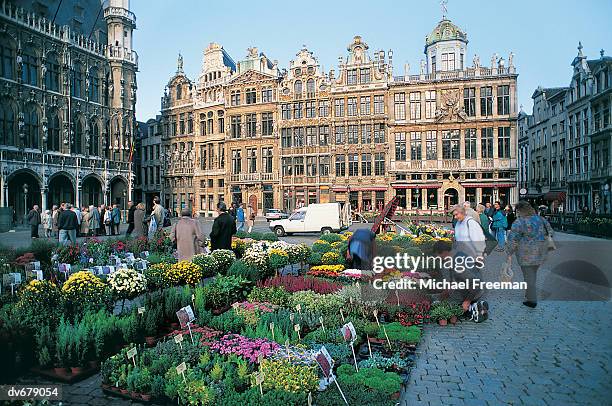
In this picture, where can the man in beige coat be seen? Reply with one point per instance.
(188, 236)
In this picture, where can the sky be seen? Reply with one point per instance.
(543, 35)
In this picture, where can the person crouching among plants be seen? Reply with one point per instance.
(361, 248)
(470, 298)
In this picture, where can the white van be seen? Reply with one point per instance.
(315, 218)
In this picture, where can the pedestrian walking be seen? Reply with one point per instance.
(54, 217)
(232, 210)
(471, 212)
(250, 218)
(139, 221)
(108, 220)
(68, 225)
(94, 220)
(130, 218)
(116, 219)
(34, 221)
(469, 237)
(85, 217)
(159, 214)
(223, 228)
(240, 217)
(102, 228)
(530, 240)
(499, 225)
(46, 222)
(188, 237)
(510, 217)
(79, 215)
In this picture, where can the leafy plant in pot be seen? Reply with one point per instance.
(441, 312)
(62, 348)
(151, 319)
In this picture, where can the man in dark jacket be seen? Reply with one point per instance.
(223, 228)
(130, 219)
(34, 220)
(67, 224)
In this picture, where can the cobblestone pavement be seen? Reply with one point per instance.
(557, 354)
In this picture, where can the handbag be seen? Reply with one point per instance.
(550, 243)
(506, 271)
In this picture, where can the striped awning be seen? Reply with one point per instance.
(488, 185)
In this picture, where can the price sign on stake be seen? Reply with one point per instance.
(287, 348)
(369, 346)
(297, 329)
(131, 354)
(397, 296)
(272, 328)
(180, 369)
(386, 336)
(350, 335)
(259, 378)
(298, 308)
(141, 310)
(321, 321)
(326, 363)
(179, 340)
(376, 317)
(342, 315)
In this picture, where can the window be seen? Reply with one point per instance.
(286, 112)
(486, 142)
(94, 141)
(353, 165)
(324, 165)
(364, 109)
(469, 101)
(298, 137)
(297, 88)
(503, 142)
(450, 144)
(7, 62)
(235, 98)
(379, 133)
(266, 159)
(76, 85)
(179, 92)
(415, 105)
(340, 165)
(366, 133)
(236, 161)
(29, 67)
(339, 107)
(76, 146)
(53, 130)
(31, 128)
(310, 88)
(339, 135)
(251, 96)
(430, 104)
(415, 145)
(353, 136)
(399, 106)
(351, 77)
(287, 166)
(351, 106)
(400, 146)
(94, 85)
(202, 124)
(310, 109)
(448, 61)
(267, 123)
(364, 75)
(379, 164)
(311, 166)
(433, 64)
(486, 101)
(431, 145)
(503, 100)
(311, 136)
(323, 135)
(379, 104)
(190, 123)
(52, 75)
(297, 110)
(182, 124)
(323, 108)
(470, 143)
(366, 164)
(203, 158)
(210, 122)
(7, 125)
(286, 136)
(220, 121)
(251, 160)
(235, 126)
(298, 166)
(266, 95)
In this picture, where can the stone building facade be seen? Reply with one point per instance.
(358, 135)
(68, 91)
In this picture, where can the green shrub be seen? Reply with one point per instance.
(244, 270)
(252, 397)
(276, 295)
(372, 378)
(355, 395)
(397, 332)
(331, 237)
(269, 236)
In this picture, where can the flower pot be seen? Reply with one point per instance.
(453, 320)
(123, 391)
(395, 396)
(62, 371)
(145, 396)
(95, 364)
(442, 322)
(77, 370)
(150, 341)
(135, 395)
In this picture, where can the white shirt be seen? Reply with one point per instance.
(470, 236)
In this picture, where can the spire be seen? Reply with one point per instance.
(179, 64)
(602, 53)
(580, 54)
(443, 4)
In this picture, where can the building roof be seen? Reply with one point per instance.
(550, 92)
(446, 31)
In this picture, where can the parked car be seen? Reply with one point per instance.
(275, 214)
(315, 218)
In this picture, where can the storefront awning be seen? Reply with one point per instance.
(413, 186)
(344, 189)
(552, 196)
(498, 185)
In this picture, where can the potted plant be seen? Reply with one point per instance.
(143, 384)
(62, 348)
(455, 311)
(151, 318)
(441, 312)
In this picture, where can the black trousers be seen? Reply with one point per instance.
(129, 229)
(34, 231)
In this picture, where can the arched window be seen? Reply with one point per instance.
(210, 122)
(179, 92)
(297, 87)
(94, 138)
(7, 124)
(310, 87)
(107, 138)
(77, 140)
(76, 82)
(52, 76)
(53, 131)
(7, 58)
(31, 127)
(29, 67)
(94, 85)
(107, 81)
(202, 124)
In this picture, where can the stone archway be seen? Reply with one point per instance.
(23, 193)
(91, 191)
(451, 198)
(118, 192)
(61, 190)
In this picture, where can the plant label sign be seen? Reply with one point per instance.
(131, 354)
(376, 317)
(259, 378)
(32, 266)
(272, 328)
(180, 369)
(141, 310)
(298, 308)
(348, 332)
(309, 398)
(34, 274)
(322, 324)
(185, 316)
(325, 361)
(342, 315)
(297, 329)
(179, 340)
(291, 317)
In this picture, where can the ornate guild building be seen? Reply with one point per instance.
(250, 132)
(68, 91)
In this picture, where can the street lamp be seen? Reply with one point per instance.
(25, 199)
(124, 205)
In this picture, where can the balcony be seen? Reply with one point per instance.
(254, 177)
(451, 164)
(467, 73)
(120, 12)
(122, 54)
(486, 163)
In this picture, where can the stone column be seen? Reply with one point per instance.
(3, 192)
(43, 198)
(78, 195)
(408, 199)
(423, 199)
(478, 195)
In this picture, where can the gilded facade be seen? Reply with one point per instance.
(357, 134)
(68, 91)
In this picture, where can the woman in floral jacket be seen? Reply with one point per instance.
(528, 239)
